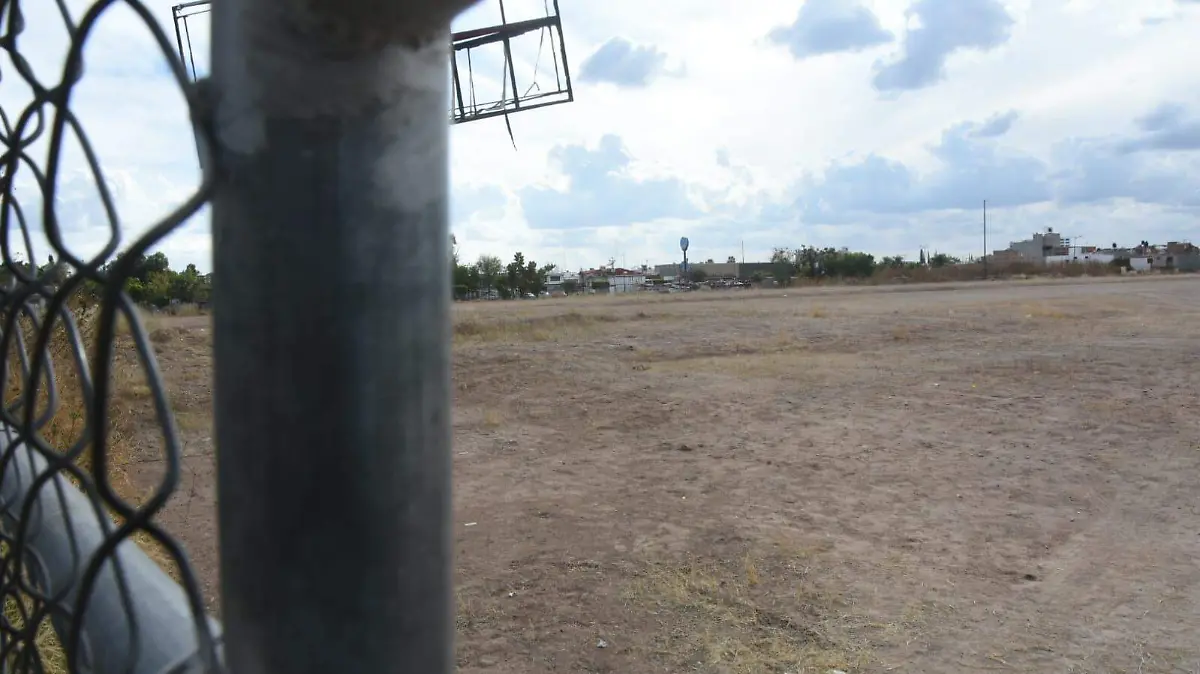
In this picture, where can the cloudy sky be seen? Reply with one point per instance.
(881, 125)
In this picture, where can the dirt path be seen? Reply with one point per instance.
(988, 477)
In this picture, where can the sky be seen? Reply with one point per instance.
(880, 125)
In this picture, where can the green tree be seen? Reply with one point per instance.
(782, 266)
(183, 286)
(808, 261)
(515, 273)
(465, 280)
(157, 288)
(490, 268)
(697, 275)
(943, 260)
(845, 263)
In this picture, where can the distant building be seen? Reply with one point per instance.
(1182, 256)
(1036, 248)
(556, 279)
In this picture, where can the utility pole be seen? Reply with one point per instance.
(985, 270)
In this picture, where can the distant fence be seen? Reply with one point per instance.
(324, 131)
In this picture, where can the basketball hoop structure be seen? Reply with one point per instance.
(468, 103)
(466, 106)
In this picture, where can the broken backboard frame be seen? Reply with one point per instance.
(467, 104)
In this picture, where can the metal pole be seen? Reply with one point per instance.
(985, 269)
(331, 334)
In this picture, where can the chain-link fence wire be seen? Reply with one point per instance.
(70, 562)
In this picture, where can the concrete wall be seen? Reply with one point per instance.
(1140, 263)
(748, 269)
(1187, 261)
(1082, 258)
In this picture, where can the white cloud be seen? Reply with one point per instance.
(1077, 114)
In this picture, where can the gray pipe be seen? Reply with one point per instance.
(166, 631)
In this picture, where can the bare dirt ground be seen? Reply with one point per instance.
(952, 478)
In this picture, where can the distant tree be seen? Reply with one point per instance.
(466, 280)
(708, 261)
(846, 263)
(514, 272)
(156, 290)
(156, 263)
(570, 285)
(697, 275)
(807, 261)
(490, 268)
(893, 262)
(782, 265)
(731, 260)
(943, 260)
(185, 286)
(525, 276)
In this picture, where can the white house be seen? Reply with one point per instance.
(556, 278)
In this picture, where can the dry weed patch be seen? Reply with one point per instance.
(557, 327)
(725, 616)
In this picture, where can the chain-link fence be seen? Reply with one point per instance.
(324, 133)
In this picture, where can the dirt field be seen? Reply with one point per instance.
(953, 478)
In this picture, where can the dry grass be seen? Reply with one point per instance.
(809, 366)
(53, 658)
(784, 354)
(725, 616)
(493, 418)
(1043, 310)
(528, 329)
(558, 327)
